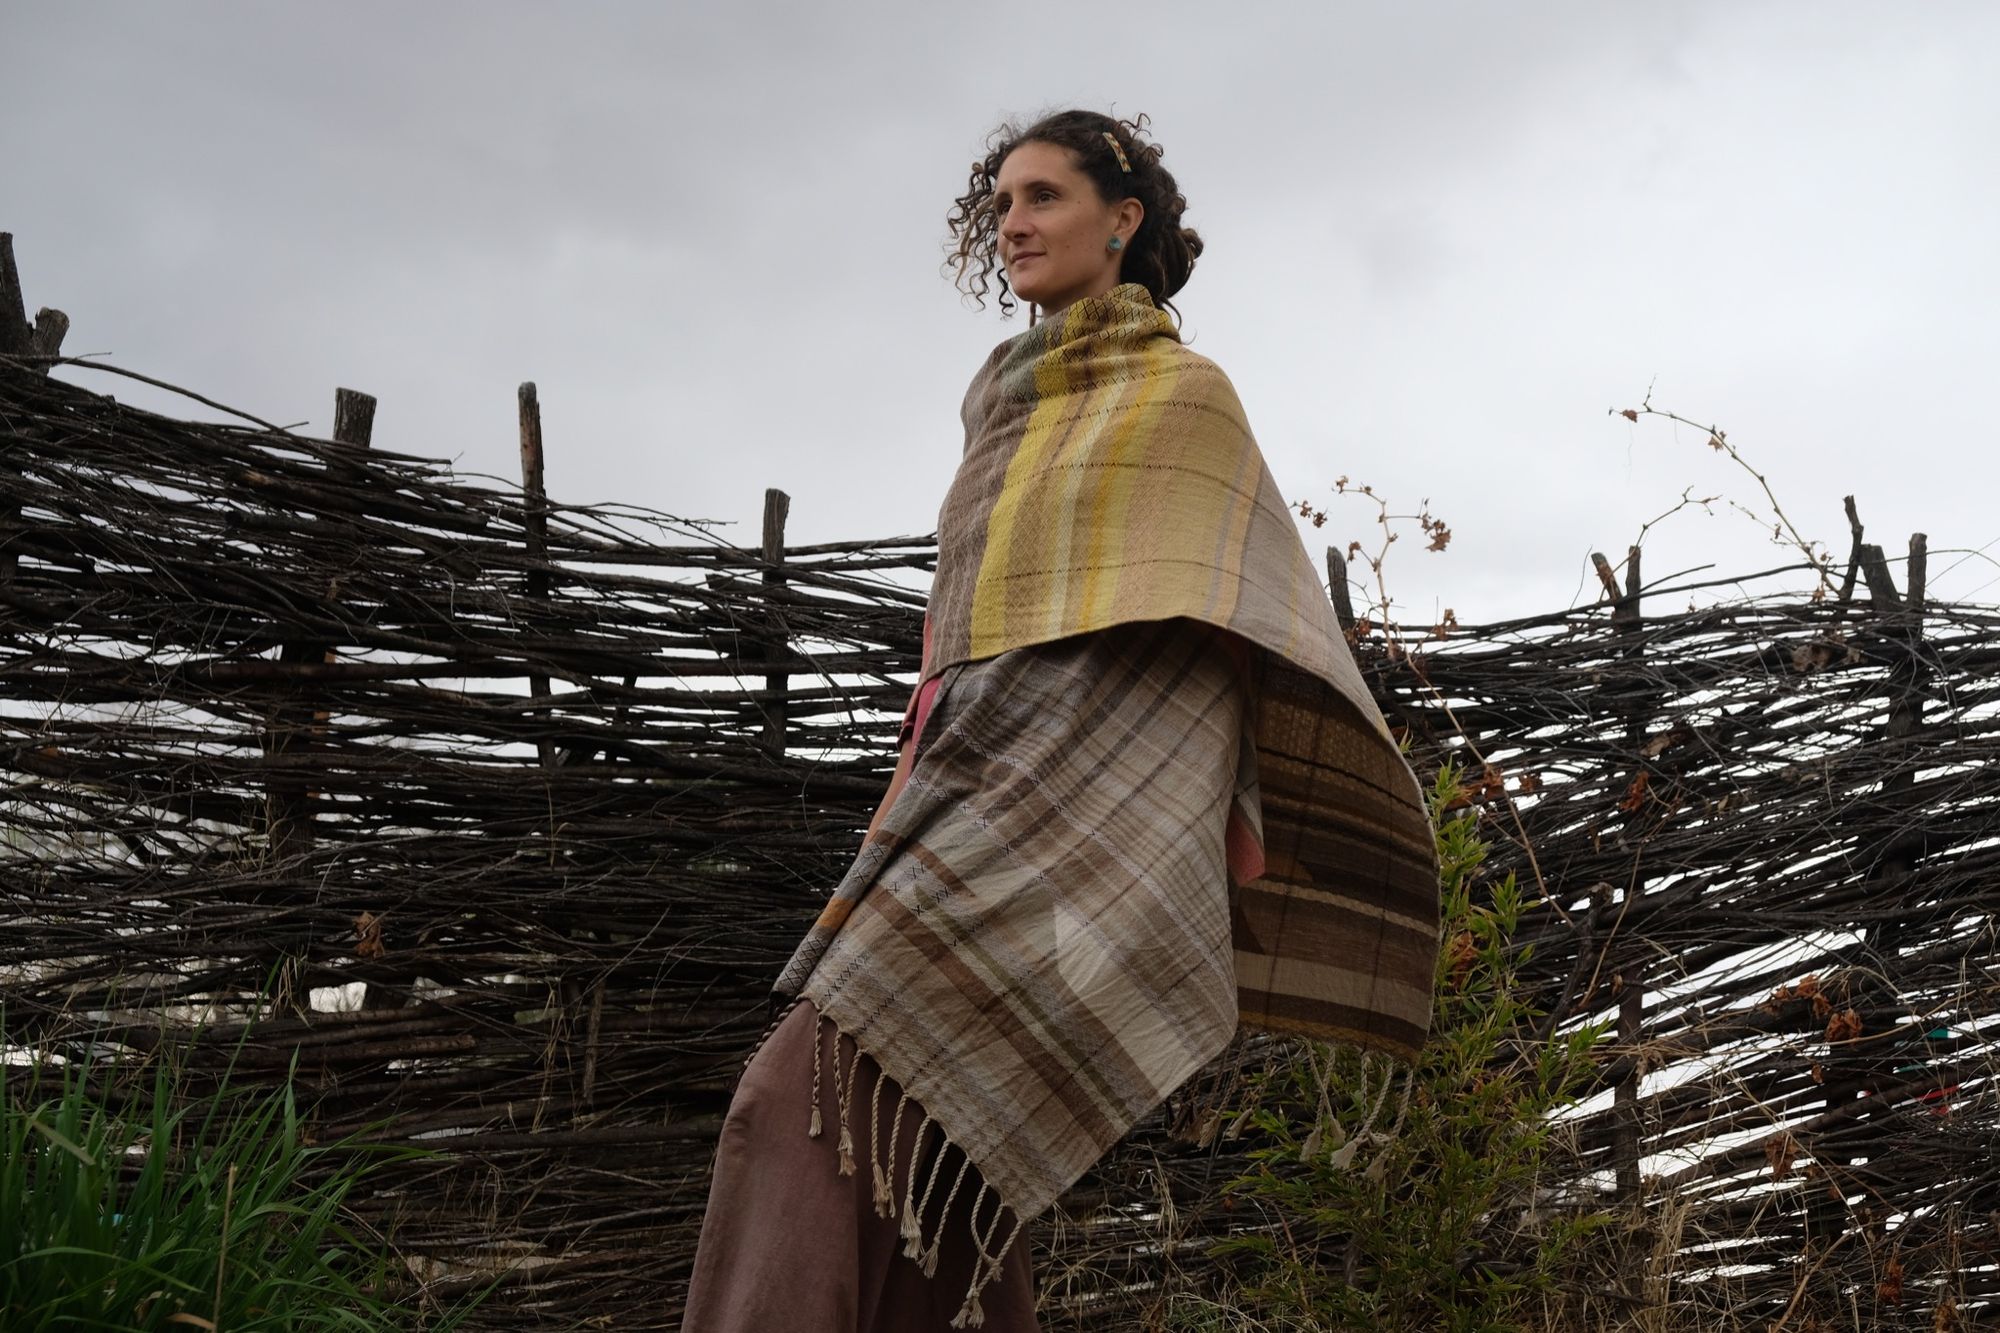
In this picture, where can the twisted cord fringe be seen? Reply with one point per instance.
(987, 1261)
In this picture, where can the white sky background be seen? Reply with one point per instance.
(1444, 239)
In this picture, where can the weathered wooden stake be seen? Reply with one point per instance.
(42, 339)
(290, 803)
(14, 330)
(353, 417)
(1336, 588)
(1860, 1065)
(1626, 622)
(292, 725)
(538, 539)
(1854, 554)
(777, 507)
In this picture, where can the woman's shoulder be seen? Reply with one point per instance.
(1199, 377)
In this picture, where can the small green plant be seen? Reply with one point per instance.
(126, 1206)
(1417, 1199)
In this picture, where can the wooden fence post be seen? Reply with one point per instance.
(777, 507)
(289, 807)
(17, 338)
(289, 729)
(353, 417)
(537, 521)
(14, 331)
(1336, 588)
(1855, 1066)
(43, 338)
(1626, 622)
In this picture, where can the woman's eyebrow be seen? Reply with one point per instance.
(1033, 185)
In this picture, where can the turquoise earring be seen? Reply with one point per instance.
(1115, 244)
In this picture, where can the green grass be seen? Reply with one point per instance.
(126, 1206)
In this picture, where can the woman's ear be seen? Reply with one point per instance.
(1130, 214)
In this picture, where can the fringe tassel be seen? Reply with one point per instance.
(912, 1228)
(878, 1182)
(987, 1261)
(885, 1168)
(1328, 1136)
(813, 1130)
(978, 1202)
(929, 1261)
(843, 1089)
(986, 1266)
(769, 1028)
(1376, 1164)
(969, 1314)
(1323, 1116)
(1381, 1098)
(914, 1223)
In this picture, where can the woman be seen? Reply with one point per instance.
(1142, 798)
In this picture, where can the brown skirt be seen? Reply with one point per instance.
(790, 1244)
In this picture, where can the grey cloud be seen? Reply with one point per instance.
(1444, 239)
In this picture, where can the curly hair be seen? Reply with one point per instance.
(1159, 257)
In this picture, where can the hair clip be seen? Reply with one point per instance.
(1124, 164)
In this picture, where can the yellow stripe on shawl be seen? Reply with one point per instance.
(1065, 607)
(989, 598)
(1116, 486)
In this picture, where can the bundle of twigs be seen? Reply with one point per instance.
(287, 724)
(268, 737)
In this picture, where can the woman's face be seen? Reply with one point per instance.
(1054, 229)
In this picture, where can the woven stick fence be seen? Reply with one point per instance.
(498, 815)
(1771, 837)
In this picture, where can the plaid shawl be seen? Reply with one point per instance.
(1110, 480)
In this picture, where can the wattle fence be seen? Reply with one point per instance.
(498, 815)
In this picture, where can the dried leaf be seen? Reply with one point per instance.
(1781, 1150)
(1665, 741)
(1889, 1290)
(1843, 1026)
(1629, 414)
(1463, 953)
(368, 936)
(1635, 795)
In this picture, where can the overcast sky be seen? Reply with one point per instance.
(1444, 239)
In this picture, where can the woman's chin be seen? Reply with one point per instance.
(1052, 301)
